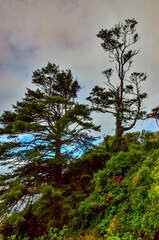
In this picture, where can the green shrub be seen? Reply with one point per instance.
(128, 206)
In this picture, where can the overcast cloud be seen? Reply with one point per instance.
(35, 32)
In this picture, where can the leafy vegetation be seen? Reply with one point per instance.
(117, 197)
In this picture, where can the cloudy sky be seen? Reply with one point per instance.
(35, 32)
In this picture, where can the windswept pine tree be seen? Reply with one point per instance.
(58, 128)
(123, 97)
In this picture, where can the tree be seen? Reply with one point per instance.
(154, 114)
(58, 128)
(123, 99)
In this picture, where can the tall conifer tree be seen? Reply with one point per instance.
(58, 129)
(122, 98)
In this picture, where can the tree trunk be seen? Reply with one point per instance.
(57, 172)
(119, 128)
(119, 142)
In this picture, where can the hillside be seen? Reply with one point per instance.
(105, 194)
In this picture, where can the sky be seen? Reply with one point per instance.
(35, 32)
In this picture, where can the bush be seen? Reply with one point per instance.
(125, 200)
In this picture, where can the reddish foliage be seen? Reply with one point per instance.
(108, 196)
(118, 179)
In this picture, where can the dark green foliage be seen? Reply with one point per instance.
(58, 126)
(123, 99)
